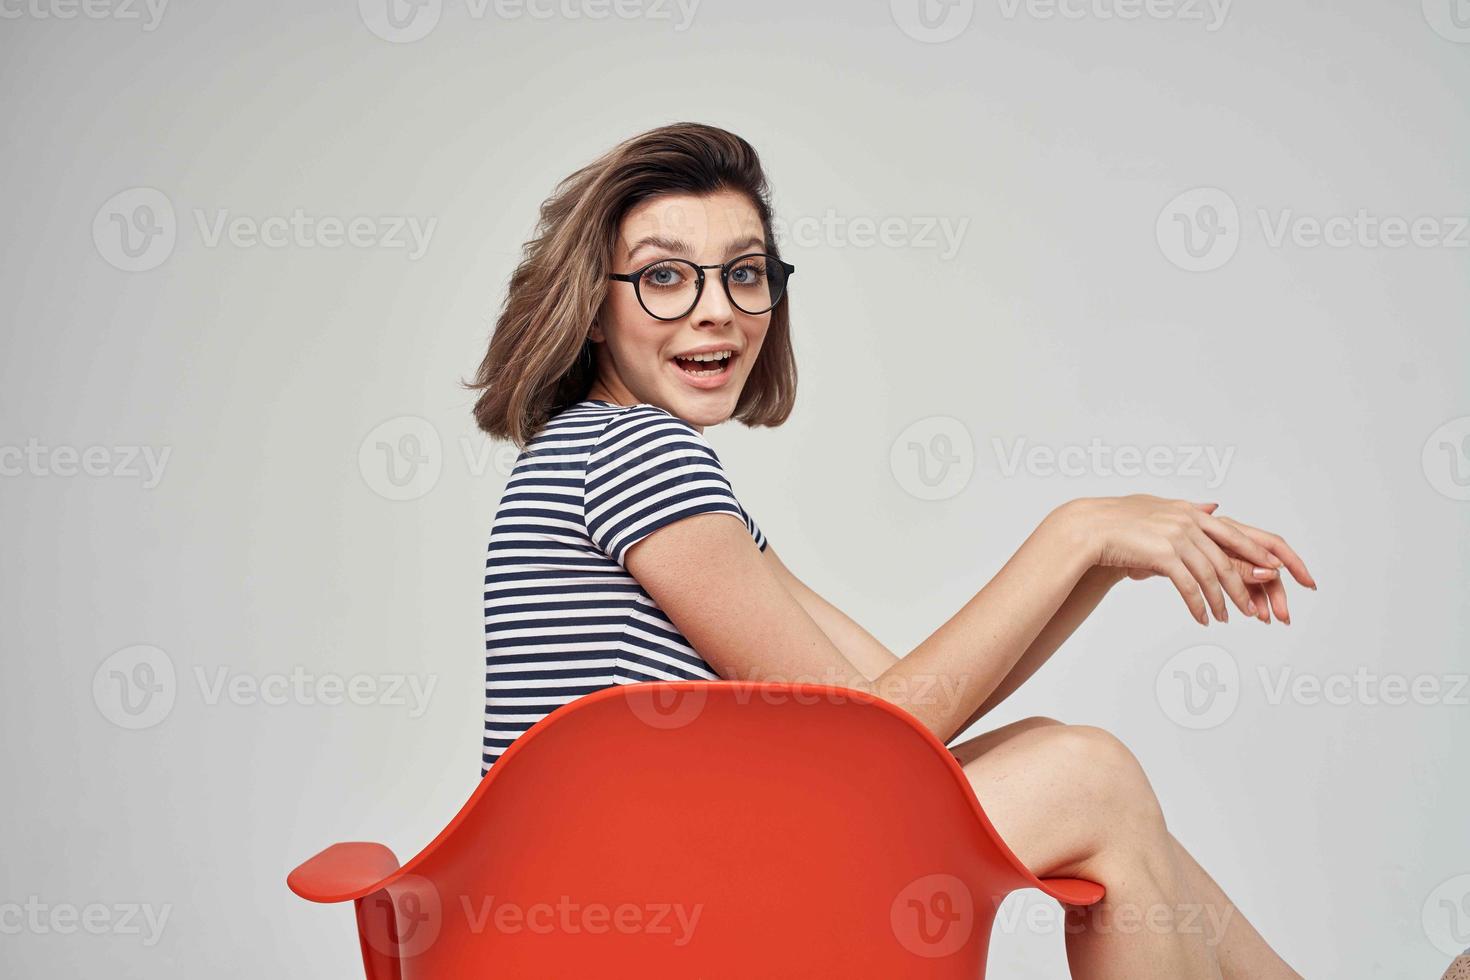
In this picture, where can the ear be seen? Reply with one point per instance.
(595, 333)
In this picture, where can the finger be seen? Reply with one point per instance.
(1207, 508)
(1277, 592)
(1274, 588)
(1199, 566)
(1225, 571)
(1256, 535)
(1188, 588)
(1251, 573)
(1237, 541)
(1263, 603)
(1281, 549)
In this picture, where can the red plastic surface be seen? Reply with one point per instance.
(697, 828)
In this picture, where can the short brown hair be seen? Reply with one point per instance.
(540, 358)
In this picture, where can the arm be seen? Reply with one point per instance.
(707, 575)
(1095, 583)
(872, 658)
(862, 649)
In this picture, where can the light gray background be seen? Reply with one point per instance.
(1061, 145)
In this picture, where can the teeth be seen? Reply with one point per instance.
(718, 355)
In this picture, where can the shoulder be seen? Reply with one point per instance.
(646, 428)
(649, 468)
(646, 411)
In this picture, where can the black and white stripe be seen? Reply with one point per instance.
(563, 617)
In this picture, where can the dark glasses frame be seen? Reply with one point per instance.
(636, 278)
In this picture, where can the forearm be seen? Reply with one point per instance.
(1089, 591)
(861, 649)
(947, 678)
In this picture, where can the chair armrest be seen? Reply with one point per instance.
(1073, 891)
(343, 872)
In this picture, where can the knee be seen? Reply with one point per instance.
(1102, 773)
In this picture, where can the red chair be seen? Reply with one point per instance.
(697, 829)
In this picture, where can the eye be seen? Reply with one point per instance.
(665, 275)
(749, 272)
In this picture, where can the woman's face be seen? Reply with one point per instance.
(637, 354)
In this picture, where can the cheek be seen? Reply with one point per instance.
(632, 335)
(755, 330)
(625, 325)
(621, 307)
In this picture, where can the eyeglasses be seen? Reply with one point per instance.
(669, 289)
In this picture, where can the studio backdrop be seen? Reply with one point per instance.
(1207, 250)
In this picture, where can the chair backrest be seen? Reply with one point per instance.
(711, 828)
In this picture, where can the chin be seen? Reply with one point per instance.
(705, 408)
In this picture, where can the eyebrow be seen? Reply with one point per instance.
(678, 247)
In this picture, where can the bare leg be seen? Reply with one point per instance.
(1094, 780)
(1243, 952)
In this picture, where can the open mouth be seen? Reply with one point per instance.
(706, 366)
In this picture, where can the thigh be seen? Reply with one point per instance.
(972, 748)
(1060, 795)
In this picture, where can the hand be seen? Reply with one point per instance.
(1206, 557)
(1256, 580)
(1270, 595)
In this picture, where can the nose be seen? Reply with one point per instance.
(713, 308)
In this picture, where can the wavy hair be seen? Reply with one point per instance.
(540, 359)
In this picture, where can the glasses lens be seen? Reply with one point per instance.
(756, 282)
(667, 289)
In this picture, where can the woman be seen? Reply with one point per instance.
(651, 305)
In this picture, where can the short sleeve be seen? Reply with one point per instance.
(647, 469)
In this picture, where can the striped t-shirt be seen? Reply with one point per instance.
(563, 616)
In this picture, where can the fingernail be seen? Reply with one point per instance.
(1250, 607)
(1263, 572)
